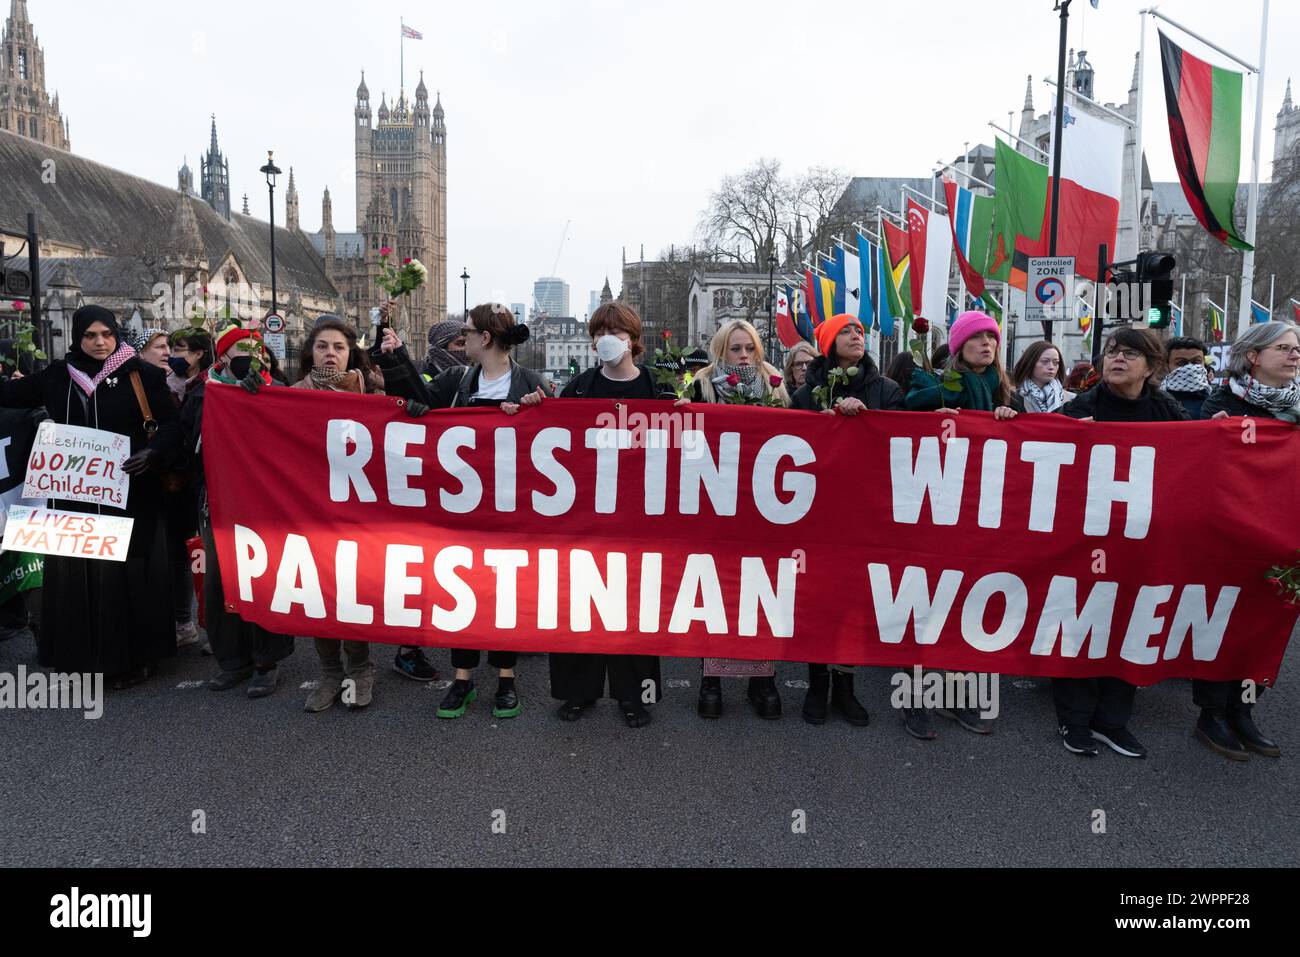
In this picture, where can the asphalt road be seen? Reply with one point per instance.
(393, 785)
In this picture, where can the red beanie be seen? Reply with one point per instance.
(230, 336)
(831, 328)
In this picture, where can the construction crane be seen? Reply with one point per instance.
(558, 253)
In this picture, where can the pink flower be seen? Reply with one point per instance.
(19, 306)
(775, 381)
(385, 252)
(733, 380)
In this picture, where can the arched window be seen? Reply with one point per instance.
(721, 299)
(22, 63)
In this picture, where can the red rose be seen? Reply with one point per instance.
(668, 334)
(19, 306)
(775, 381)
(385, 252)
(733, 380)
(407, 261)
(1275, 581)
(922, 326)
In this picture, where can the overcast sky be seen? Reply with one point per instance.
(619, 116)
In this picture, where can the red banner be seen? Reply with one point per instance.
(1041, 546)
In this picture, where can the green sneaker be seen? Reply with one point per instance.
(507, 705)
(458, 700)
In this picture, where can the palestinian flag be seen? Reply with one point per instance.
(1205, 128)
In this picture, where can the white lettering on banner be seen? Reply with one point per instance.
(1062, 618)
(349, 450)
(1059, 616)
(937, 472)
(698, 596)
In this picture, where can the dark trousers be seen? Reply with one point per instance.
(182, 580)
(1105, 703)
(582, 677)
(1223, 696)
(461, 658)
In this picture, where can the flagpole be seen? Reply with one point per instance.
(973, 179)
(1272, 287)
(1058, 142)
(1137, 140)
(402, 46)
(1013, 137)
(1182, 308)
(1252, 211)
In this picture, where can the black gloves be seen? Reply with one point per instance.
(141, 462)
(252, 382)
(416, 410)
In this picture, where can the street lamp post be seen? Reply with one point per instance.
(464, 278)
(271, 171)
(771, 320)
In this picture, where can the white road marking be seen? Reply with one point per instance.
(190, 685)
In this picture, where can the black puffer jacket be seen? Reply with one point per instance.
(1102, 405)
(869, 387)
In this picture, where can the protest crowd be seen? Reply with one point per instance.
(122, 618)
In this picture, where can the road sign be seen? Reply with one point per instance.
(1049, 289)
(274, 324)
(275, 342)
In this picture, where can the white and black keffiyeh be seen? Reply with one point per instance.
(1040, 398)
(1283, 403)
(1189, 378)
(750, 387)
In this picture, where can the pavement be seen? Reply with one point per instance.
(393, 785)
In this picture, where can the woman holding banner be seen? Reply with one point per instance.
(972, 378)
(739, 375)
(1099, 709)
(1039, 378)
(492, 380)
(634, 680)
(843, 380)
(105, 616)
(243, 650)
(1262, 371)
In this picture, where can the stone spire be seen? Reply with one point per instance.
(291, 204)
(1286, 100)
(184, 241)
(606, 294)
(246, 213)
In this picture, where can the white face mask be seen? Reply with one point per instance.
(611, 349)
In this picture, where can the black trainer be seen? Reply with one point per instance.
(845, 701)
(572, 711)
(1121, 741)
(916, 722)
(765, 698)
(1079, 741)
(634, 714)
(412, 663)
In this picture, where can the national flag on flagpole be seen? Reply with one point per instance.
(834, 267)
(1204, 103)
(1176, 320)
(898, 254)
(1217, 325)
(852, 283)
(785, 328)
(869, 293)
(810, 298)
(1296, 306)
(1019, 207)
(1259, 314)
(825, 291)
(410, 33)
(802, 321)
(971, 217)
(931, 243)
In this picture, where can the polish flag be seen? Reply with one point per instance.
(1092, 176)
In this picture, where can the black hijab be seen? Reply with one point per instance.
(83, 319)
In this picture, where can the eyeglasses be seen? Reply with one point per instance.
(1286, 350)
(1130, 354)
(802, 365)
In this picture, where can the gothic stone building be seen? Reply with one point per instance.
(25, 106)
(401, 196)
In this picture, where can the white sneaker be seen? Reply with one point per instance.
(187, 633)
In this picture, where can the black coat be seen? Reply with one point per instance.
(1223, 399)
(1102, 405)
(593, 385)
(100, 616)
(869, 387)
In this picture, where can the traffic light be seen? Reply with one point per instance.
(15, 283)
(1155, 271)
(573, 367)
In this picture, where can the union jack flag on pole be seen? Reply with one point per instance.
(411, 33)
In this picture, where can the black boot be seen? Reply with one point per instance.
(1212, 730)
(765, 698)
(845, 701)
(1243, 726)
(819, 686)
(711, 698)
